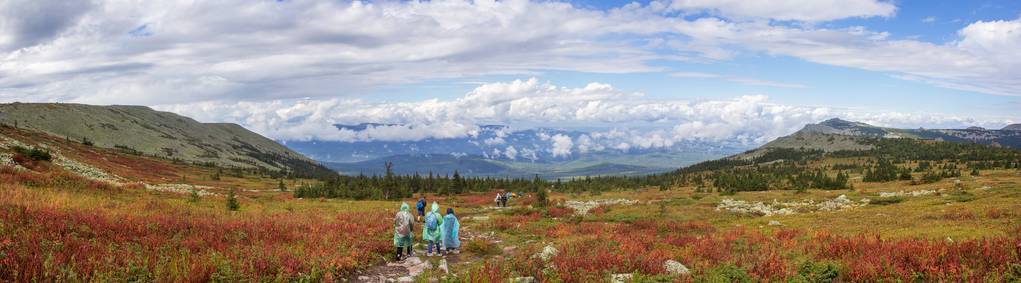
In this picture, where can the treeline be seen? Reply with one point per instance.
(392, 186)
(773, 169)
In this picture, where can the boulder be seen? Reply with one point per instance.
(548, 253)
(675, 267)
(443, 266)
(774, 223)
(528, 279)
(620, 278)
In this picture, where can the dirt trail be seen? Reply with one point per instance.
(409, 269)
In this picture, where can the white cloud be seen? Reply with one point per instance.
(637, 123)
(173, 52)
(511, 153)
(929, 20)
(562, 145)
(793, 10)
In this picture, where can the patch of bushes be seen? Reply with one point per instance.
(481, 248)
(961, 196)
(811, 271)
(887, 201)
(34, 154)
(728, 273)
(232, 201)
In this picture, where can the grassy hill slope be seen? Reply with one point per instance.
(155, 133)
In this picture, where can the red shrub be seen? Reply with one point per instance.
(97, 241)
(560, 211)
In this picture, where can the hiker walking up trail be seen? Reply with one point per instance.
(403, 231)
(497, 199)
(431, 232)
(420, 206)
(451, 239)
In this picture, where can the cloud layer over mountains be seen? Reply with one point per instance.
(632, 120)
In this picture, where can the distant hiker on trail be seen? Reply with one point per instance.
(420, 206)
(431, 232)
(498, 198)
(503, 200)
(451, 240)
(404, 231)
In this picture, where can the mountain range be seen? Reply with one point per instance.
(500, 151)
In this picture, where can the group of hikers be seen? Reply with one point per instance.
(439, 231)
(501, 199)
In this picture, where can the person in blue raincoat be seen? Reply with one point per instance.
(431, 229)
(404, 231)
(420, 207)
(449, 229)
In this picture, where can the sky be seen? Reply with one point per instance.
(659, 71)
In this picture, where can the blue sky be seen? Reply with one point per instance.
(674, 69)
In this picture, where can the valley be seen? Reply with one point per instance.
(779, 213)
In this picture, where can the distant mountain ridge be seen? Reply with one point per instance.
(498, 150)
(156, 133)
(480, 166)
(836, 134)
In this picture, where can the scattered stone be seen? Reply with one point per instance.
(479, 218)
(950, 240)
(406, 279)
(676, 268)
(180, 189)
(548, 253)
(443, 266)
(917, 193)
(414, 269)
(83, 170)
(620, 278)
(582, 207)
(757, 208)
(774, 223)
(528, 279)
(788, 208)
(363, 278)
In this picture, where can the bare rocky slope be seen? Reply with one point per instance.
(836, 135)
(156, 133)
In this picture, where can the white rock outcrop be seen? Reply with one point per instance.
(675, 267)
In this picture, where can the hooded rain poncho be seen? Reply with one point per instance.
(449, 229)
(434, 234)
(403, 229)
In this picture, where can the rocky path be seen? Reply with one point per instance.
(418, 265)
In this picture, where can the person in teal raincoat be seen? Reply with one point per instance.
(404, 231)
(431, 231)
(450, 227)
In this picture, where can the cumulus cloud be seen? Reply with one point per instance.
(562, 145)
(635, 122)
(174, 52)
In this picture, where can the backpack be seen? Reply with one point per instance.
(401, 222)
(431, 222)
